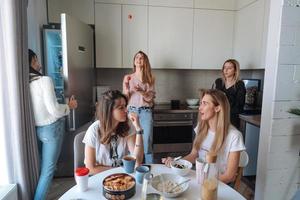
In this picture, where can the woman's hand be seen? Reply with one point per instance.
(135, 121)
(72, 102)
(139, 89)
(167, 161)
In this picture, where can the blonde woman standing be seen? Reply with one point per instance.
(139, 88)
(216, 135)
(234, 89)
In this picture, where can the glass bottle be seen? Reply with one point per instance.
(209, 186)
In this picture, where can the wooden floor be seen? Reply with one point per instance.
(61, 185)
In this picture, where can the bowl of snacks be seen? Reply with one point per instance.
(181, 167)
(168, 185)
(118, 186)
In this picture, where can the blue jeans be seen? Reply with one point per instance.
(50, 142)
(146, 121)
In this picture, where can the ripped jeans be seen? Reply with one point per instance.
(50, 141)
(146, 121)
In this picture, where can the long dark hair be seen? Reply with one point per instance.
(104, 115)
(31, 56)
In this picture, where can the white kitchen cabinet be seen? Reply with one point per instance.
(172, 3)
(109, 1)
(108, 33)
(216, 4)
(135, 2)
(212, 38)
(248, 36)
(81, 9)
(170, 37)
(135, 32)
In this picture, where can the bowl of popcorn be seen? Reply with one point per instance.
(169, 185)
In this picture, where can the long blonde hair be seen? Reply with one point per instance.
(223, 121)
(104, 114)
(147, 76)
(236, 66)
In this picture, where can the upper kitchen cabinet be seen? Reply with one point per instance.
(213, 38)
(216, 4)
(170, 37)
(81, 9)
(108, 33)
(249, 35)
(172, 3)
(133, 2)
(135, 32)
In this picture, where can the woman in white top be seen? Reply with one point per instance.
(107, 140)
(216, 135)
(49, 121)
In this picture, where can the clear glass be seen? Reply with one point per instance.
(209, 186)
(147, 191)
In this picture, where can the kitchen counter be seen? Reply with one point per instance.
(252, 119)
(166, 108)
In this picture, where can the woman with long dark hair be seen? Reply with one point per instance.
(109, 138)
(49, 118)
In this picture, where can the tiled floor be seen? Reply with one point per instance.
(61, 185)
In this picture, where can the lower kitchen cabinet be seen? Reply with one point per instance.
(250, 127)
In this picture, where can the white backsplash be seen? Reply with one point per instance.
(173, 83)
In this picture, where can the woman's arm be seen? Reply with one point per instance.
(136, 147)
(126, 85)
(135, 142)
(90, 161)
(240, 98)
(232, 167)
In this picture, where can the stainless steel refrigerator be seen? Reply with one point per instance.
(69, 60)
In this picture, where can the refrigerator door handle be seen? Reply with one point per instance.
(71, 117)
(71, 120)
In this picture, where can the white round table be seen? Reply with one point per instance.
(225, 192)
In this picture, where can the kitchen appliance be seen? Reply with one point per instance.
(252, 100)
(69, 61)
(252, 89)
(172, 132)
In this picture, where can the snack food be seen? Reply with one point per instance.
(179, 166)
(118, 182)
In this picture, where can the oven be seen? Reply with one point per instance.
(172, 132)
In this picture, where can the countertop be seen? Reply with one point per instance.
(166, 108)
(252, 119)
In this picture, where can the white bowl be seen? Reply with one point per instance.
(181, 171)
(192, 102)
(158, 180)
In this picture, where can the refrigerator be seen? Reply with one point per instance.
(69, 61)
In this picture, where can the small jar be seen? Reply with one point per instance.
(209, 186)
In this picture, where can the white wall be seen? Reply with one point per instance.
(278, 169)
(36, 17)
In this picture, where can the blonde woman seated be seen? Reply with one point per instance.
(216, 134)
(108, 139)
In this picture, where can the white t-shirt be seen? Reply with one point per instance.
(233, 142)
(91, 139)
